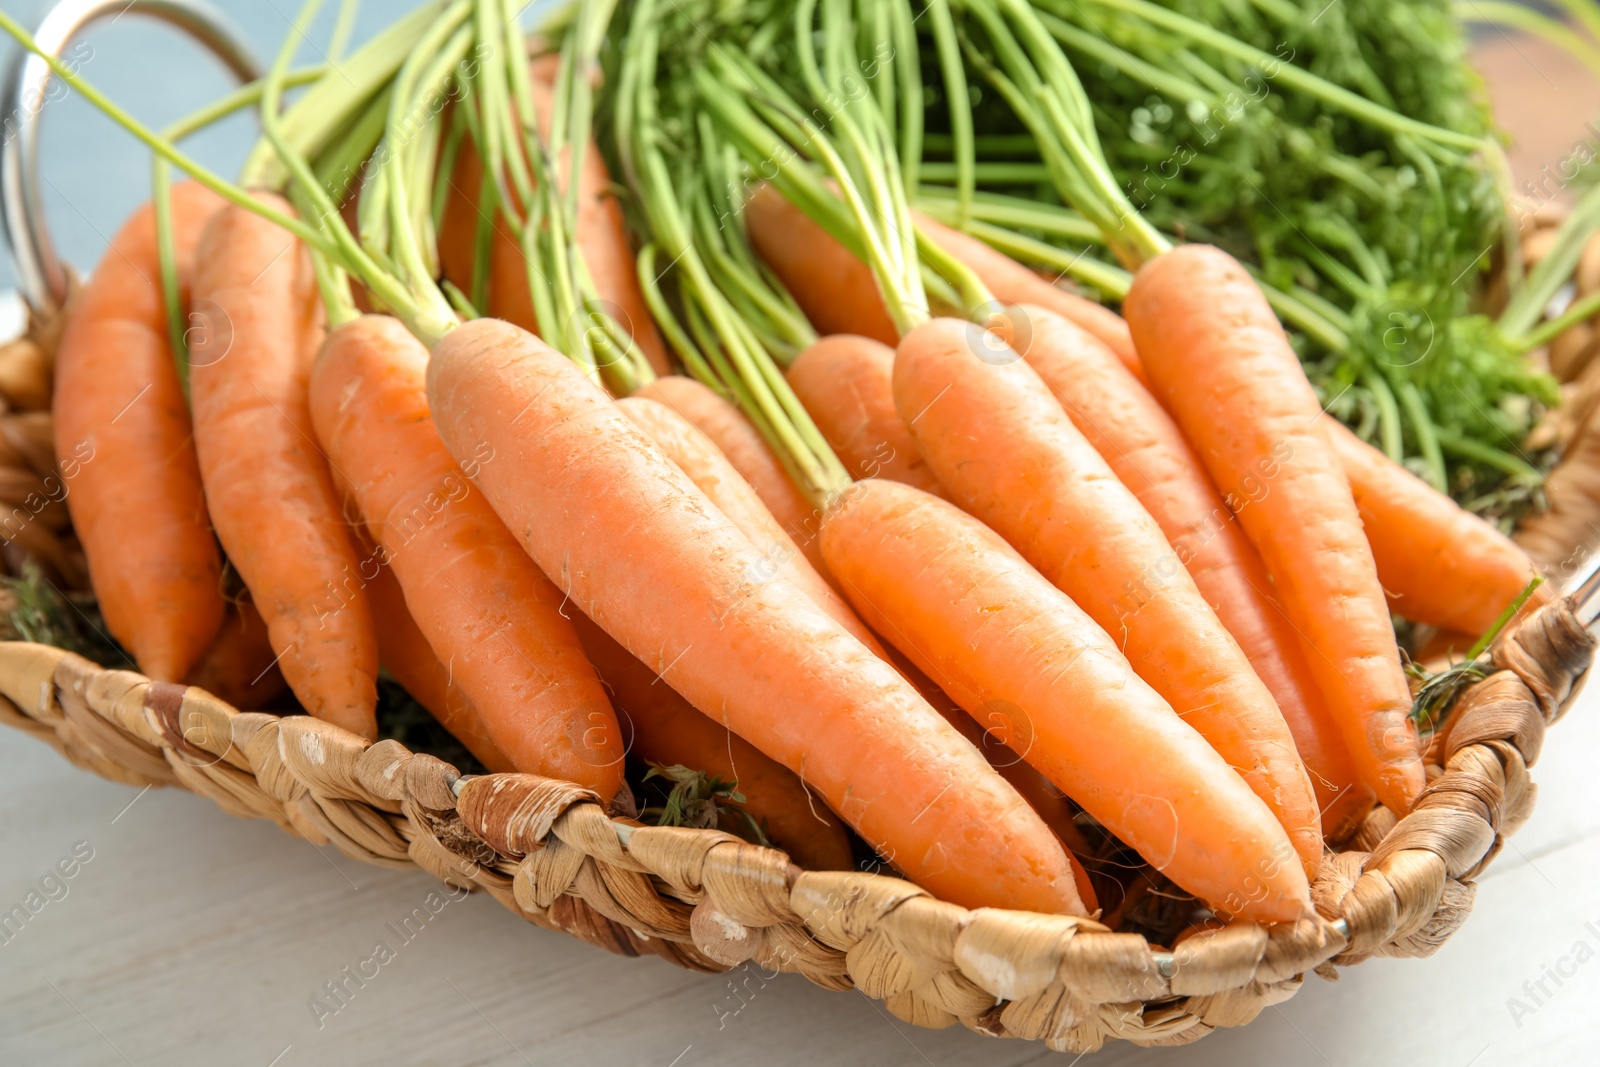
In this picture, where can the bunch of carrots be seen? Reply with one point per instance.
(768, 476)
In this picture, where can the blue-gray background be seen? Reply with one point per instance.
(94, 173)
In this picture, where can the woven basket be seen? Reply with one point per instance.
(551, 853)
(705, 900)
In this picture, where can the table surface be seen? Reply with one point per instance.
(187, 937)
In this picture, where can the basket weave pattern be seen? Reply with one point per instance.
(703, 899)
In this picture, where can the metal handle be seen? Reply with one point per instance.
(40, 274)
(1583, 586)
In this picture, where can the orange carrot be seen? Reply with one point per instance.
(600, 233)
(695, 454)
(486, 610)
(1013, 283)
(1439, 564)
(839, 294)
(1146, 451)
(1220, 362)
(271, 496)
(666, 730)
(408, 656)
(240, 666)
(750, 455)
(642, 552)
(968, 609)
(136, 498)
(843, 382)
(1049, 802)
(1007, 453)
(1149, 455)
(834, 288)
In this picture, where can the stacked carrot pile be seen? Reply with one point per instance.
(769, 485)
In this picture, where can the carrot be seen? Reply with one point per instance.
(1007, 453)
(968, 609)
(136, 500)
(1013, 283)
(695, 454)
(1149, 455)
(641, 551)
(1042, 796)
(1439, 564)
(240, 666)
(834, 288)
(667, 730)
(839, 295)
(1220, 363)
(407, 655)
(272, 498)
(486, 610)
(742, 444)
(843, 382)
(601, 235)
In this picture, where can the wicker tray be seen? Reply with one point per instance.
(550, 851)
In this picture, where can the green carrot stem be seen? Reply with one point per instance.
(688, 353)
(1482, 644)
(1391, 433)
(429, 319)
(343, 27)
(908, 69)
(989, 173)
(223, 188)
(958, 103)
(1100, 49)
(311, 124)
(1528, 303)
(1580, 310)
(1423, 429)
(1278, 70)
(1014, 212)
(1478, 452)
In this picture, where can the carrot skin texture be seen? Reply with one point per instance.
(601, 234)
(1041, 794)
(485, 609)
(137, 500)
(1008, 454)
(1211, 344)
(1439, 563)
(694, 453)
(749, 453)
(839, 294)
(1149, 454)
(667, 730)
(968, 609)
(640, 550)
(271, 495)
(408, 656)
(843, 383)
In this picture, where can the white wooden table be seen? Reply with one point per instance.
(187, 937)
